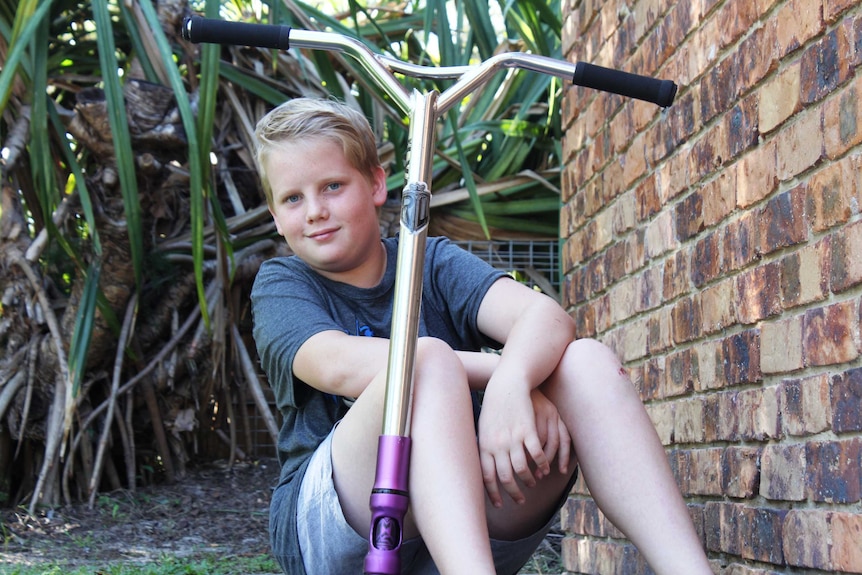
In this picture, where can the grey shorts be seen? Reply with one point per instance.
(330, 546)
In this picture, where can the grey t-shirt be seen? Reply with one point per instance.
(291, 303)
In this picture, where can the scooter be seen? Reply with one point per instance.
(389, 496)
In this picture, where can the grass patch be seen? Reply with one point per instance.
(169, 565)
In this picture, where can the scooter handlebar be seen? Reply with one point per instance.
(214, 31)
(198, 29)
(661, 92)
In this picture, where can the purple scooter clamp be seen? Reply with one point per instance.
(389, 502)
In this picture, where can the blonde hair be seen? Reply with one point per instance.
(316, 118)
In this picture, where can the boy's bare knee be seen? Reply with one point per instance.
(436, 360)
(588, 350)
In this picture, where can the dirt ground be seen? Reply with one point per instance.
(214, 509)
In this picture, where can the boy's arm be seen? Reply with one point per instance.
(535, 332)
(341, 364)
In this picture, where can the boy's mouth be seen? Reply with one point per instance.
(320, 235)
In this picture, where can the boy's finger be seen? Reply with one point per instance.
(565, 451)
(537, 453)
(489, 478)
(521, 467)
(552, 443)
(507, 478)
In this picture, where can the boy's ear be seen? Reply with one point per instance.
(380, 193)
(277, 225)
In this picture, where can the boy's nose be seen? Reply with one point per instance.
(315, 209)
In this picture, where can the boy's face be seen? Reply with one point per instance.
(326, 209)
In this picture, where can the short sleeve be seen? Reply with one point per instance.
(288, 308)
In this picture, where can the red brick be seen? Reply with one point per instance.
(783, 222)
(846, 263)
(635, 250)
(831, 195)
(797, 22)
(758, 293)
(625, 216)
(742, 131)
(758, 413)
(742, 358)
(681, 125)
(718, 306)
(805, 274)
(672, 176)
(842, 119)
(738, 569)
(688, 420)
(727, 410)
(708, 360)
(806, 537)
(708, 153)
(741, 472)
(855, 24)
(686, 317)
(706, 264)
(741, 241)
(846, 401)
(720, 87)
(823, 68)
(648, 200)
(660, 330)
(779, 99)
(800, 144)
(829, 334)
(755, 62)
(834, 474)
(680, 377)
(703, 474)
(615, 262)
(689, 216)
(661, 415)
(593, 199)
(649, 288)
(719, 197)
(756, 174)
(761, 529)
(722, 527)
(597, 279)
(660, 235)
(781, 345)
(783, 472)
(806, 407)
(833, 9)
(846, 552)
(676, 275)
(653, 380)
(634, 161)
(602, 312)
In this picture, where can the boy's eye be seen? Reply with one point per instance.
(333, 187)
(292, 199)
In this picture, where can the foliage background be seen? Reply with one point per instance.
(132, 221)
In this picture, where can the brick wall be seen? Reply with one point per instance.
(717, 246)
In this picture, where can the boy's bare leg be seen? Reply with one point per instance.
(446, 489)
(622, 459)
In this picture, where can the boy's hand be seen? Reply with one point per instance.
(555, 437)
(508, 435)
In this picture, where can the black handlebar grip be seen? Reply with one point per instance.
(213, 31)
(661, 92)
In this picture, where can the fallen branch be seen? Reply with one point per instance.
(254, 384)
(122, 342)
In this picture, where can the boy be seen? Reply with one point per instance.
(321, 326)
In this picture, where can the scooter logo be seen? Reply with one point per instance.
(415, 206)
